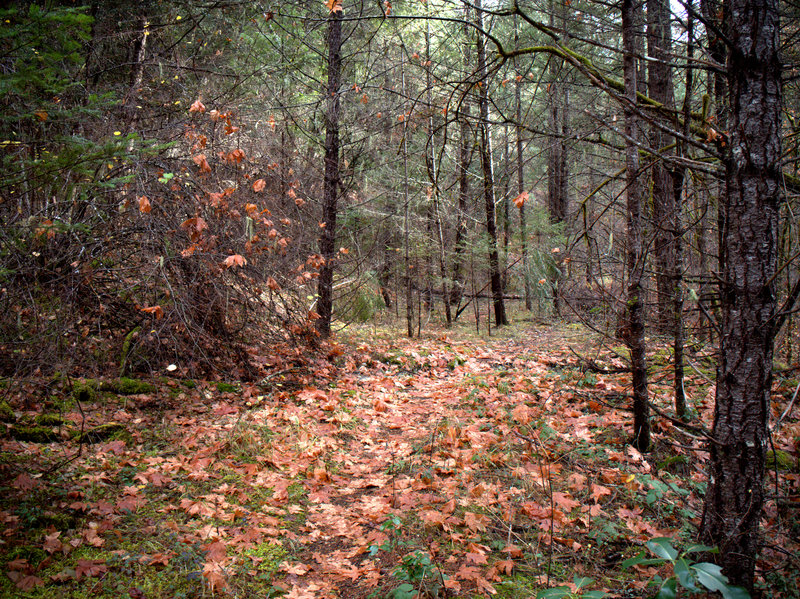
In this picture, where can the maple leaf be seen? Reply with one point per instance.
(194, 227)
(476, 522)
(90, 568)
(235, 260)
(298, 569)
(23, 482)
(599, 491)
(197, 106)
(259, 185)
(564, 501)
(52, 543)
(144, 205)
(26, 582)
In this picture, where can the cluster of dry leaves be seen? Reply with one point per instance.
(499, 461)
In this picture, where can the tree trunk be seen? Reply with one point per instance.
(488, 179)
(735, 495)
(659, 87)
(523, 226)
(330, 189)
(464, 159)
(635, 255)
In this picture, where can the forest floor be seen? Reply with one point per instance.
(454, 465)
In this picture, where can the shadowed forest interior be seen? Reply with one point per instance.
(430, 298)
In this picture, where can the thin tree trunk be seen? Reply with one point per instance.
(464, 160)
(635, 257)
(659, 87)
(488, 179)
(679, 181)
(523, 226)
(735, 495)
(330, 189)
(433, 175)
(406, 241)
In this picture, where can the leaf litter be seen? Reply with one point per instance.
(444, 466)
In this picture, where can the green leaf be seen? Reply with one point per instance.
(594, 595)
(405, 591)
(641, 560)
(669, 589)
(701, 548)
(684, 574)
(711, 577)
(554, 593)
(582, 581)
(663, 548)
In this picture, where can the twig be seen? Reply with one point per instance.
(787, 410)
(593, 366)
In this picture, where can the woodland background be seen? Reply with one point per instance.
(216, 190)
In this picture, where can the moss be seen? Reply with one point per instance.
(49, 420)
(126, 386)
(85, 391)
(126, 349)
(33, 555)
(226, 387)
(104, 432)
(6, 413)
(780, 460)
(35, 434)
(189, 383)
(268, 556)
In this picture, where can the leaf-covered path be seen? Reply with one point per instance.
(450, 465)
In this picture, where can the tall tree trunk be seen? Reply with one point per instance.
(735, 495)
(635, 256)
(678, 182)
(495, 279)
(659, 87)
(330, 189)
(523, 225)
(406, 224)
(464, 159)
(433, 176)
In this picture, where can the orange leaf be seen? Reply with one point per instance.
(41, 115)
(235, 260)
(194, 227)
(156, 311)
(334, 5)
(520, 200)
(197, 106)
(144, 205)
(201, 161)
(273, 284)
(259, 185)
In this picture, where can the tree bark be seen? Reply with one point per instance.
(464, 159)
(523, 225)
(330, 189)
(659, 87)
(635, 256)
(735, 496)
(495, 278)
